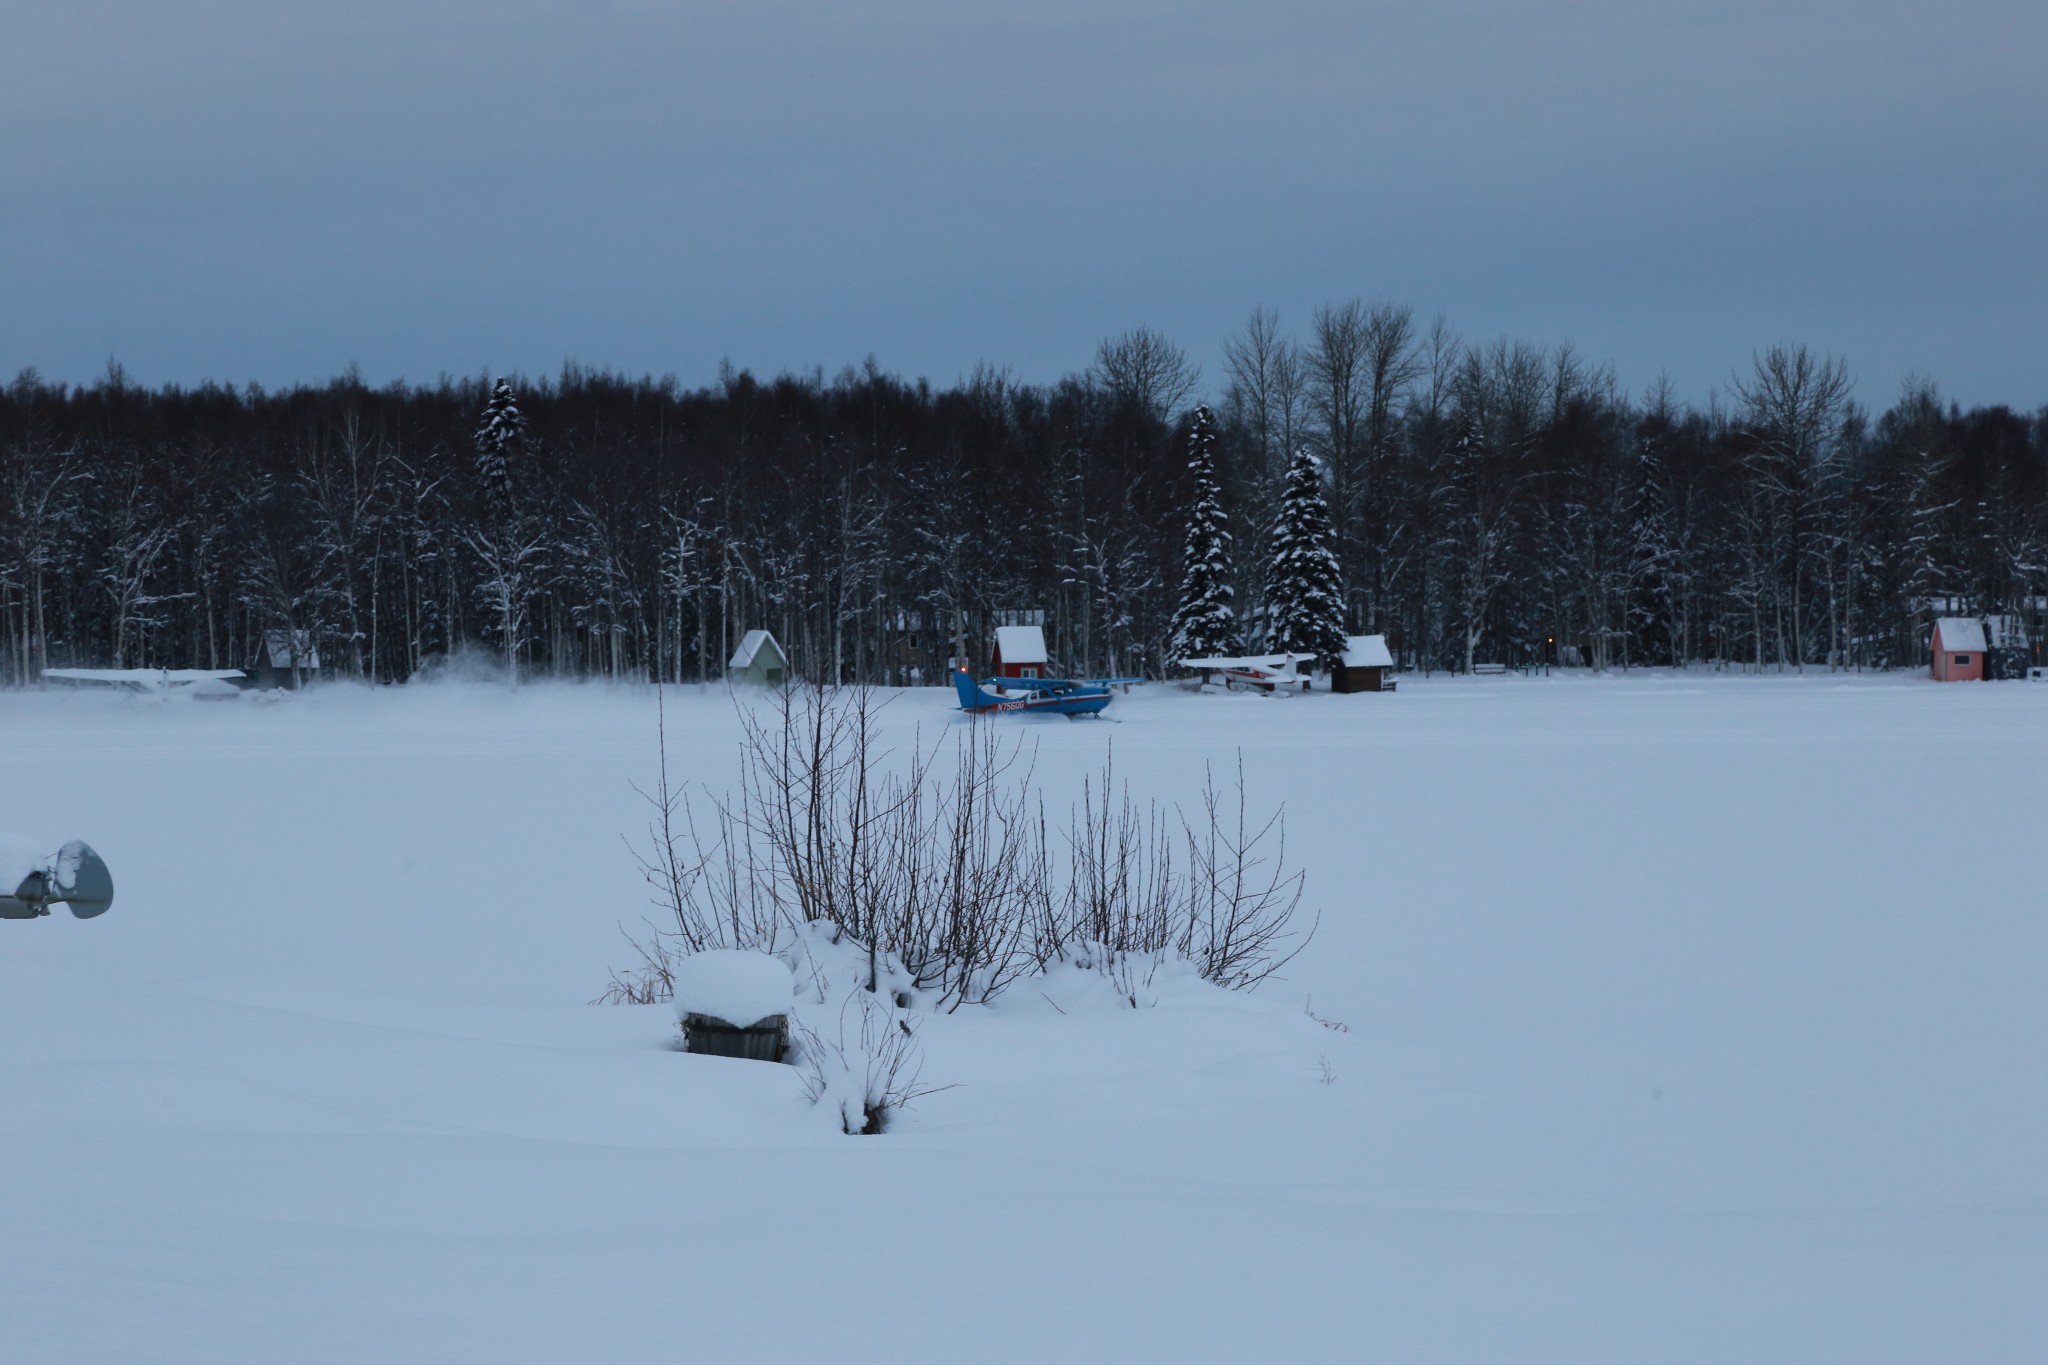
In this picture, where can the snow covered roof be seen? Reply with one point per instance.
(750, 645)
(1021, 644)
(1960, 632)
(1367, 651)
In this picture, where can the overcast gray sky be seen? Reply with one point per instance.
(269, 190)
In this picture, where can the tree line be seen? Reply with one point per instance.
(1486, 502)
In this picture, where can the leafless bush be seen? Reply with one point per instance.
(649, 983)
(939, 864)
(1122, 887)
(1212, 889)
(1240, 896)
(869, 1072)
(939, 859)
(711, 878)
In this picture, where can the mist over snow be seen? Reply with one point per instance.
(1686, 1017)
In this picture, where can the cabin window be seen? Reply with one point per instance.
(1027, 672)
(1962, 660)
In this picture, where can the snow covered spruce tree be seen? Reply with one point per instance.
(499, 436)
(507, 543)
(1205, 623)
(1304, 596)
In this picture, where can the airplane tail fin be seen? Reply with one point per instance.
(970, 694)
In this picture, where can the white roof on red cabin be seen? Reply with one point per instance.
(1960, 632)
(1367, 651)
(1021, 644)
(750, 645)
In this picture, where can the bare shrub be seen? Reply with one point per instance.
(711, 878)
(1241, 898)
(651, 982)
(939, 864)
(870, 1071)
(1211, 889)
(1121, 889)
(937, 861)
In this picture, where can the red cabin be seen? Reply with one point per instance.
(1958, 646)
(1020, 652)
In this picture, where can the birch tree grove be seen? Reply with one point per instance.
(1493, 501)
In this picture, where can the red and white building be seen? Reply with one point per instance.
(1958, 646)
(1020, 652)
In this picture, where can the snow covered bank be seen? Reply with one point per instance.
(1663, 1045)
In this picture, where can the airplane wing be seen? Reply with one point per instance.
(1223, 661)
(141, 679)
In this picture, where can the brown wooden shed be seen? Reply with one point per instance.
(1367, 666)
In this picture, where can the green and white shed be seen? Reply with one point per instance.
(759, 659)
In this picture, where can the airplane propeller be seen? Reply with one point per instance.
(74, 875)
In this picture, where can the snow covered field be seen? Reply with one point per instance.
(1691, 1019)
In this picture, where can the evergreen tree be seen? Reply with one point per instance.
(1205, 623)
(1304, 596)
(509, 547)
(498, 438)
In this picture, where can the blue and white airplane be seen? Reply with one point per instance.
(1059, 696)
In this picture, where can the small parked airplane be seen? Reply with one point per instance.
(154, 682)
(1264, 672)
(1060, 696)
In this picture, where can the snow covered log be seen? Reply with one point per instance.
(734, 1004)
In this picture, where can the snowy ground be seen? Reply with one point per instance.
(1691, 1019)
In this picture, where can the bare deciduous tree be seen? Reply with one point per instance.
(1141, 369)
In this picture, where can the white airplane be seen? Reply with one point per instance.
(154, 682)
(74, 875)
(1262, 672)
